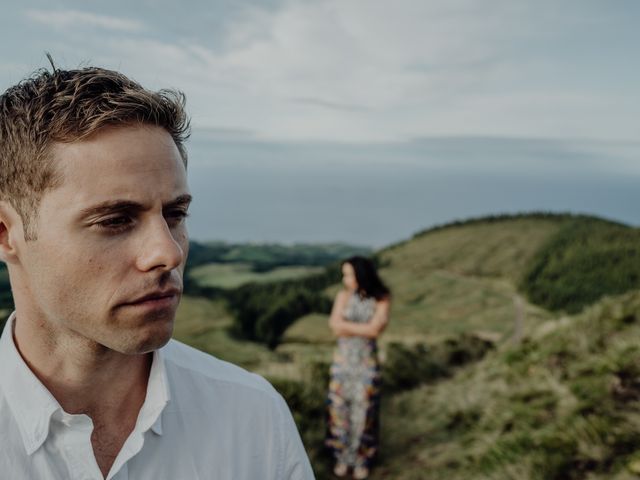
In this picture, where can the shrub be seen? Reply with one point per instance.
(263, 312)
(407, 367)
(585, 260)
(464, 349)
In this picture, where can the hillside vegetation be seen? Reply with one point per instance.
(586, 259)
(564, 404)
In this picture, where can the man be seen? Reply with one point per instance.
(93, 200)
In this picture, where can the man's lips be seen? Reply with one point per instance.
(157, 296)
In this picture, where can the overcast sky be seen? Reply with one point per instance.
(511, 86)
(362, 70)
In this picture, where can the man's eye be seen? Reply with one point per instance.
(175, 217)
(115, 223)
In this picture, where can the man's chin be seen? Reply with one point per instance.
(148, 341)
(153, 345)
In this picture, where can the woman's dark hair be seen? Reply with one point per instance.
(369, 283)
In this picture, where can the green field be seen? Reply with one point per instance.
(233, 275)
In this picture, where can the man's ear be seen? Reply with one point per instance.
(11, 230)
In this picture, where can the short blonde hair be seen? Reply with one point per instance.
(65, 106)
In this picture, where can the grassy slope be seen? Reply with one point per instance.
(462, 278)
(563, 405)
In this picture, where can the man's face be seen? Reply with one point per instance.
(111, 241)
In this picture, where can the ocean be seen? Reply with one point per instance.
(246, 190)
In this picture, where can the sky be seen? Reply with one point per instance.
(537, 91)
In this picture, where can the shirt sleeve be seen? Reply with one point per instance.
(294, 461)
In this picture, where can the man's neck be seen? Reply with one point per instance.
(84, 377)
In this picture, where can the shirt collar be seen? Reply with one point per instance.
(157, 396)
(30, 402)
(33, 405)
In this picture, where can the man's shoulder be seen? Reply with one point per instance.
(205, 369)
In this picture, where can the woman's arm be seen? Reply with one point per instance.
(339, 304)
(372, 329)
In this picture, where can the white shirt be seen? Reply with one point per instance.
(202, 419)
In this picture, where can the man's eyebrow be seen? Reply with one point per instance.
(182, 200)
(111, 206)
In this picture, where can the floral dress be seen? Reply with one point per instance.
(354, 392)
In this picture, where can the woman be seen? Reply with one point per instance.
(359, 315)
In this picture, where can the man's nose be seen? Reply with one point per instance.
(159, 248)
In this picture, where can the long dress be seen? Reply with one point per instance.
(353, 403)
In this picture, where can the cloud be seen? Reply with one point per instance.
(319, 102)
(224, 134)
(62, 19)
(371, 71)
(368, 53)
(416, 68)
(344, 57)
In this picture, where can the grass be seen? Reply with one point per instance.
(233, 275)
